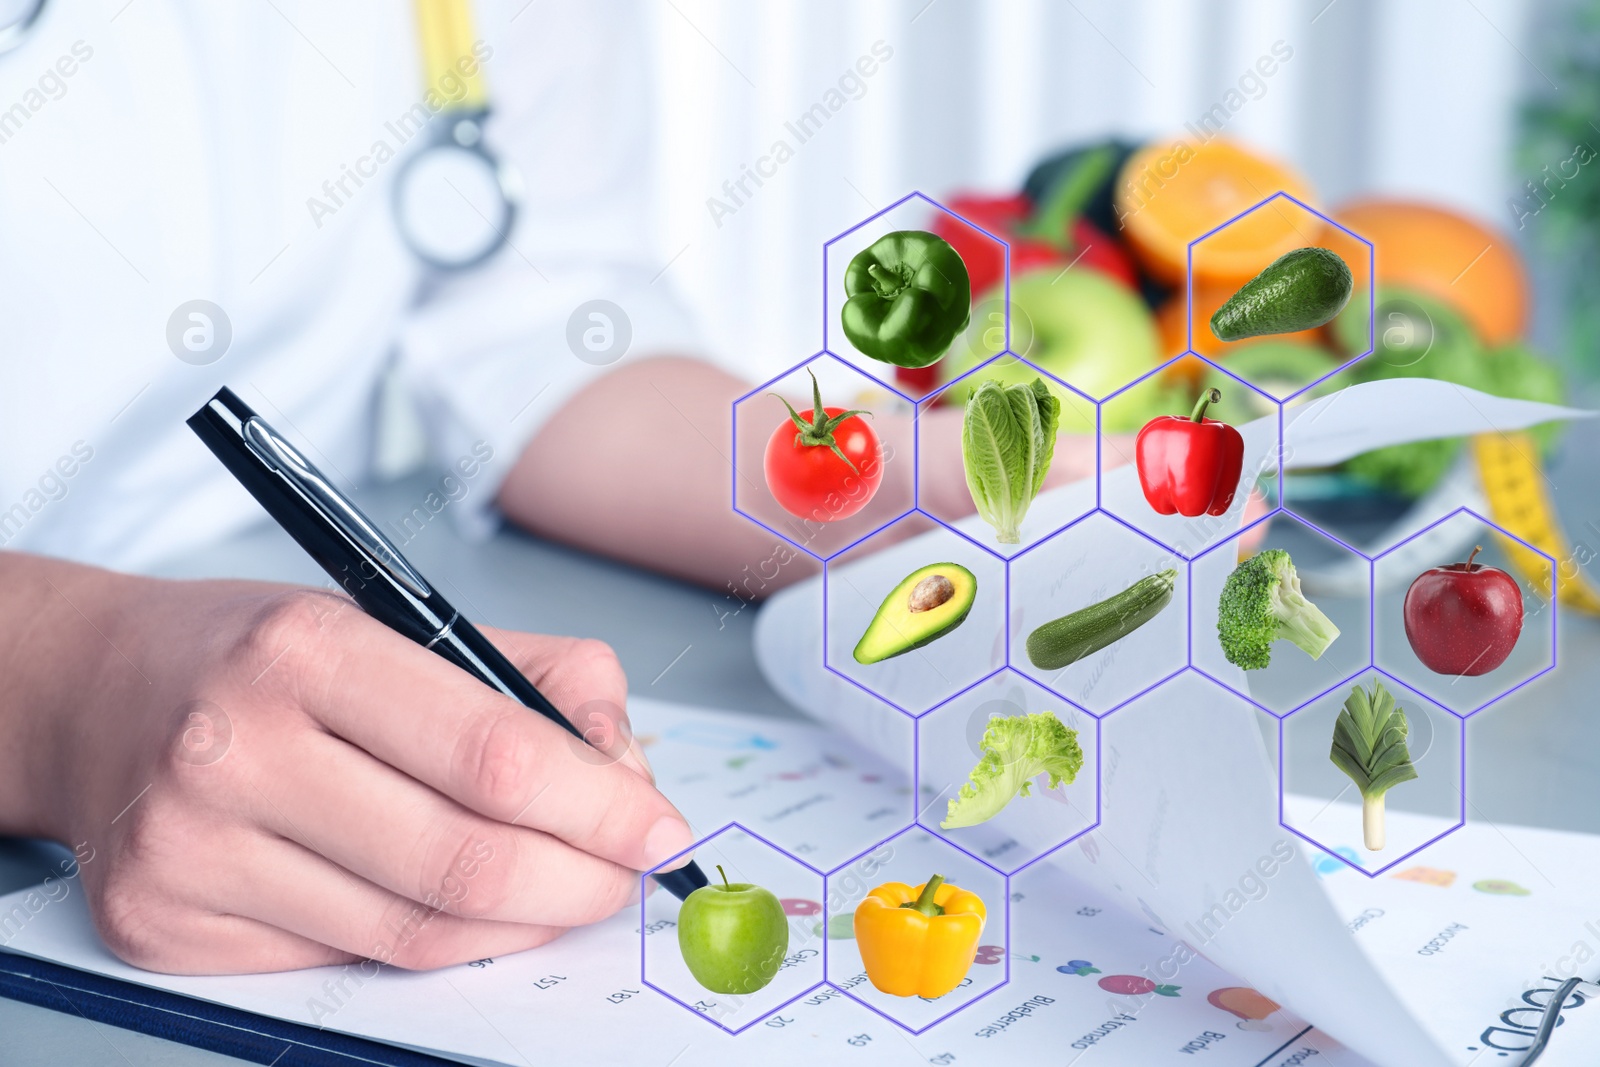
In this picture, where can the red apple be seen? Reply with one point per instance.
(1463, 619)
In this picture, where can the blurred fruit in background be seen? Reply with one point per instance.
(1170, 193)
(1049, 234)
(1439, 253)
(1452, 295)
(1090, 331)
(1421, 336)
(1275, 365)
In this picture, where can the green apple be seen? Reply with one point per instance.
(733, 936)
(1085, 328)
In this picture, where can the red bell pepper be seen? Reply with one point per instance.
(1190, 466)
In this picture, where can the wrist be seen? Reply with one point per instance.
(54, 655)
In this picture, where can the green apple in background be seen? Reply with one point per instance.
(1087, 329)
(732, 936)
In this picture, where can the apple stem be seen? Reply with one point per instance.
(924, 902)
(1207, 398)
(724, 874)
(1475, 550)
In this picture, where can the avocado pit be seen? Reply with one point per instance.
(929, 593)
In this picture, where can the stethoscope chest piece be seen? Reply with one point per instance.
(454, 201)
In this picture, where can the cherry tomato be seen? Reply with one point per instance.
(810, 479)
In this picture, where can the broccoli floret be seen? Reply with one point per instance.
(1262, 603)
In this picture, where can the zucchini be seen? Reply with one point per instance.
(1072, 637)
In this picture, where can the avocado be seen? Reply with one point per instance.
(1299, 290)
(927, 604)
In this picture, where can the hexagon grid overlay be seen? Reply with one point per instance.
(1073, 554)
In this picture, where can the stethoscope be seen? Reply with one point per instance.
(453, 200)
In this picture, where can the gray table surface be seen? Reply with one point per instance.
(1532, 759)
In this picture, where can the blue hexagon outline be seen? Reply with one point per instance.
(1461, 817)
(1201, 671)
(916, 774)
(1555, 576)
(1188, 593)
(707, 839)
(733, 488)
(1372, 287)
(1099, 476)
(915, 194)
(1006, 893)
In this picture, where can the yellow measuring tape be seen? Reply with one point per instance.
(444, 30)
(1514, 482)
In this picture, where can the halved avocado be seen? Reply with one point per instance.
(927, 604)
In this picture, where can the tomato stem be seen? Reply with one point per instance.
(819, 431)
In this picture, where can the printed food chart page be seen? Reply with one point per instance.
(1076, 978)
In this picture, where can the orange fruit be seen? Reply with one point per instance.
(1171, 192)
(1445, 255)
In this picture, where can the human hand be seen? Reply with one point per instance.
(261, 778)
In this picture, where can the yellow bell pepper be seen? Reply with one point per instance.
(918, 942)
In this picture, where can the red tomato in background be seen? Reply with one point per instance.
(813, 483)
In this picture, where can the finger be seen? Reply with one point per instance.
(585, 682)
(292, 889)
(204, 943)
(388, 829)
(425, 717)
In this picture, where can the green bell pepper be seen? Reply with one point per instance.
(909, 298)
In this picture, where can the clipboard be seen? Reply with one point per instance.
(202, 1024)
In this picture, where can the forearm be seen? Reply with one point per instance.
(638, 466)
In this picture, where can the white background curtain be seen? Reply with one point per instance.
(1412, 97)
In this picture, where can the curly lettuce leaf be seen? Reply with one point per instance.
(1016, 750)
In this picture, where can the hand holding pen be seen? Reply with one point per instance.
(260, 777)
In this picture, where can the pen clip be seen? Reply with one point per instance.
(284, 458)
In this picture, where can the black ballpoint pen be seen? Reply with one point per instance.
(346, 544)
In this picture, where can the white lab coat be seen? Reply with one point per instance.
(161, 151)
